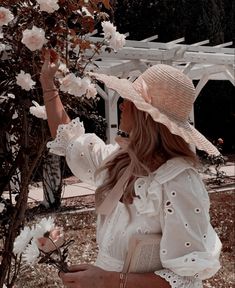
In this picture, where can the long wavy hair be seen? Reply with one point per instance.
(149, 146)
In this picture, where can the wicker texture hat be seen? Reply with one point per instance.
(167, 95)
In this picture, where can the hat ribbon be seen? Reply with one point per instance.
(111, 200)
(143, 89)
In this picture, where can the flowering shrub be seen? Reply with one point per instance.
(26, 29)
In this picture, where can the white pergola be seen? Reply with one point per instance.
(199, 62)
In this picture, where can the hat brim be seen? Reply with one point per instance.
(183, 129)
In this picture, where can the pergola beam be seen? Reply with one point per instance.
(201, 84)
(200, 43)
(150, 38)
(171, 51)
(210, 49)
(224, 44)
(197, 71)
(117, 68)
(177, 41)
(210, 58)
(129, 53)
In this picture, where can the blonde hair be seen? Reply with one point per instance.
(150, 145)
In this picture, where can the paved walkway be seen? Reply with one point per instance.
(69, 190)
(81, 189)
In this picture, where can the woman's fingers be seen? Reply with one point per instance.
(47, 56)
(50, 56)
(54, 56)
(68, 277)
(80, 267)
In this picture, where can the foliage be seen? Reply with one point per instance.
(22, 136)
(199, 20)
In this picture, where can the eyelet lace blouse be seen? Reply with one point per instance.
(172, 201)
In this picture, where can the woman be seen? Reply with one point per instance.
(147, 182)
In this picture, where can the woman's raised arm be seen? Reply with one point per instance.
(56, 113)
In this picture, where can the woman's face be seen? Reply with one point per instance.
(126, 117)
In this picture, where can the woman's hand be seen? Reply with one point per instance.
(49, 69)
(89, 276)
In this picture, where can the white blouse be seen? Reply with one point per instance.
(172, 201)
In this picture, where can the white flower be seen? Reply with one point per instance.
(86, 12)
(48, 5)
(24, 80)
(62, 70)
(117, 41)
(76, 50)
(108, 28)
(15, 115)
(34, 39)
(38, 111)
(31, 253)
(5, 16)
(52, 241)
(2, 47)
(44, 226)
(91, 91)
(10, 95)
(2, 207)
(74, 85)
(22, 240)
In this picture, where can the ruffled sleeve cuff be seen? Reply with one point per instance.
(65, 133)
(201, 265)
(177, 281)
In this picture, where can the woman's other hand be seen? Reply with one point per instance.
(89, 276)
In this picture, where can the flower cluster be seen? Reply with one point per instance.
(75, 83)
(34, 38)
(5, 16)
(27, 28)
(38, 110)
(42, 243)
(2, 207)
(115, 39)
(24, 80)
(78, 86)
(48, 6)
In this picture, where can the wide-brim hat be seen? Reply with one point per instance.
(167, 95)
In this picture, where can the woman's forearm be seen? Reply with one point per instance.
(139, 280)
(56, 113)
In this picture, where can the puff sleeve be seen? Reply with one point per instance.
(84, 152)
(190, 248)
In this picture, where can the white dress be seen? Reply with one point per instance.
(172, 201)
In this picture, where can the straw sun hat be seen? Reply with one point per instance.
(167, 95)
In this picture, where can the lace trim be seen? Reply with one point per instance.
(177, 281)
(65, 133)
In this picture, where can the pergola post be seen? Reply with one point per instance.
(111, 116)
